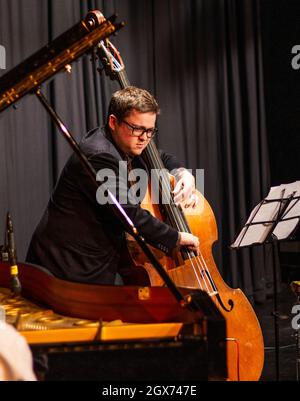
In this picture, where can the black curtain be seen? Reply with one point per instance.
(200, 58)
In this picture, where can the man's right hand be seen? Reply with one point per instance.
(190, 241)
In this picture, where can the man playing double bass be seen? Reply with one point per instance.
(78, 238)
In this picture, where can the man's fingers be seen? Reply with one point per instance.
(192, 201)
(178, 187)
(190, 241)
(183, 195)
(194, 248)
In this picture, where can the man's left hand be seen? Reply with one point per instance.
(185, 190)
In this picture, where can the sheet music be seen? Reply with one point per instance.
(265, 213)
(290, 218)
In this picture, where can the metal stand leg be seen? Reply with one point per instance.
(295, 285)
(275, 311)
(297, 335)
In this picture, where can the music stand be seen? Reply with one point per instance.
(274, 219)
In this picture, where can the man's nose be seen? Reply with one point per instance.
(143, 137)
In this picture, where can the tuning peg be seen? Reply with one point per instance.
(118, 26)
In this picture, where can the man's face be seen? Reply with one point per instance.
(122, 131)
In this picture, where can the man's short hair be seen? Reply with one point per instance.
(125, 100)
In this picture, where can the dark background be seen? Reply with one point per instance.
(221, 71)
(280, 32)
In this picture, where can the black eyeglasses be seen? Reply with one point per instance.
(139, 131)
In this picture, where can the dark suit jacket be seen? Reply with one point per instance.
(79, 240)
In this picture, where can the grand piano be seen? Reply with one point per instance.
(133, 333)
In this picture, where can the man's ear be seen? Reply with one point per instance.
(112, 121)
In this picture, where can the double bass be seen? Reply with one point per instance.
(244, 340)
